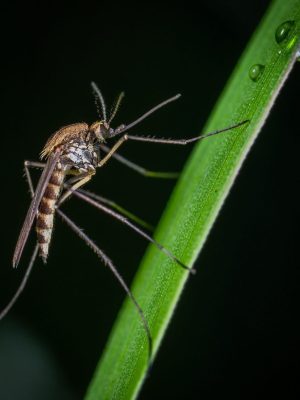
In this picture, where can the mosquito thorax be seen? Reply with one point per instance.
(100, 129)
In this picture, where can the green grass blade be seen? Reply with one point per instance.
(197, 199)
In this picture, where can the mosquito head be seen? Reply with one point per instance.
(101, 130)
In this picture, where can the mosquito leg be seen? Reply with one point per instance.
(79, 180)
(113, 269)
(132, 226)
(181, 142)
(31, 164)
(99, 253)
(112, 150)
(117, 207)
(141, 170)
(94, 247)
(22, 284)
(34, 164)
(27, 165)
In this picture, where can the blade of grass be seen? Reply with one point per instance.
(197, 199)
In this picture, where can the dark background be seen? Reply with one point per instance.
(235, 330)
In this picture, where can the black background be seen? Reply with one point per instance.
(235, 330)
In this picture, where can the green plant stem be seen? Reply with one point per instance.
(196, 202)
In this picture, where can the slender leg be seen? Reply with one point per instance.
(132, 226)
(79, 180)
(31, 164)
(27, 165)
(98, 252)
(24, 281)
(181, 142)
(34, 164)
(113, 269)
(118, 208)
(22, 284)
(85, 196)
(141, 170)
(113, 150)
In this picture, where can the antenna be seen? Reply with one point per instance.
(116, 107)
(99, 100)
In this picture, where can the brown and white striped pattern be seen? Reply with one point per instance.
(45, 216)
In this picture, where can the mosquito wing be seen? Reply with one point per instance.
(33, 208)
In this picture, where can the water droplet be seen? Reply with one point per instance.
(283, 31)
(256, 71)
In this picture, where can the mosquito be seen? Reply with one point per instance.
(73, 154)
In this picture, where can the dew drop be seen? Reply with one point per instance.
(283, 31)
(256, 71)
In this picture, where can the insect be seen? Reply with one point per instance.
(73, 155)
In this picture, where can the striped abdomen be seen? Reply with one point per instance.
(45, 216)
